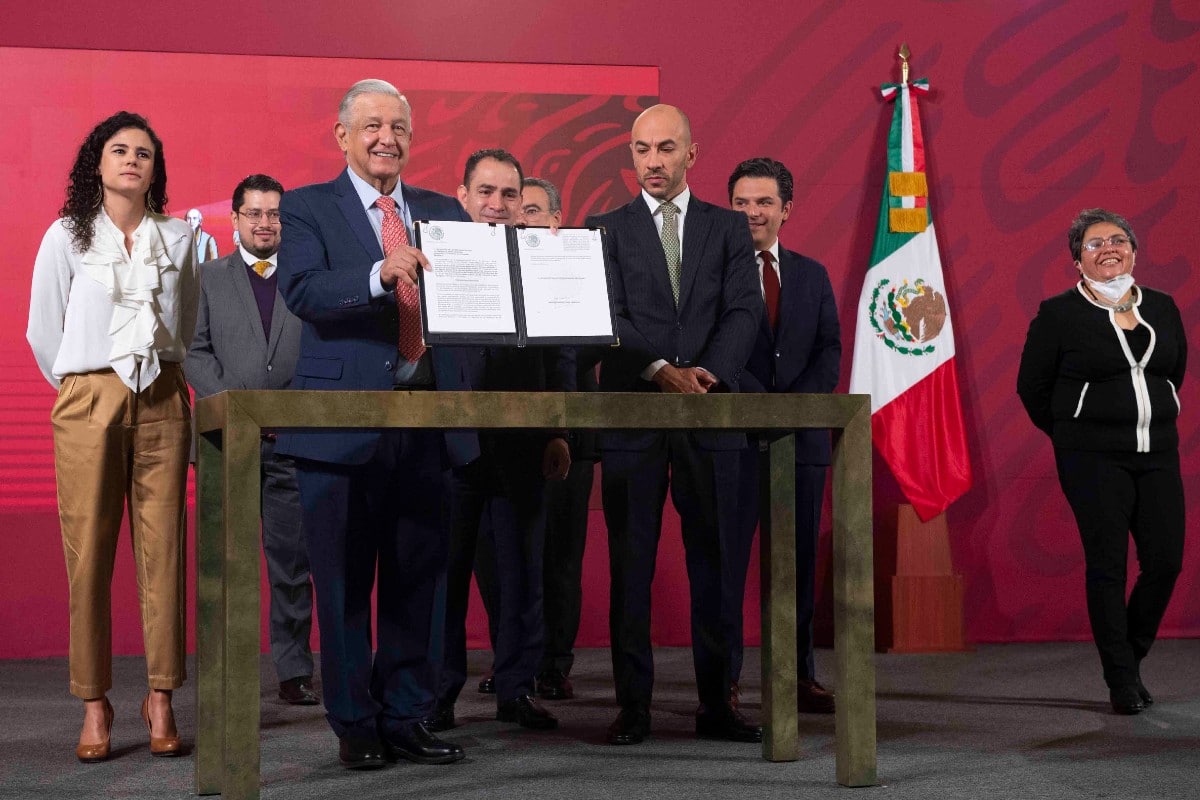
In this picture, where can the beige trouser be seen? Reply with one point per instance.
(111, 447)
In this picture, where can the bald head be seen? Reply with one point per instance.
(663, 150)
(670, 116)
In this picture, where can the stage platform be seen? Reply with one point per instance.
(1004, 721)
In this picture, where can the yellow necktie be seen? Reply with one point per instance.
(261, 268)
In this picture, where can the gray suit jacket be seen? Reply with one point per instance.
(229, 350)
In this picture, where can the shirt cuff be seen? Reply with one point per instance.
(377, 289)
(649, 372)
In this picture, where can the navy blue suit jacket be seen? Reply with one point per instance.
(804, 354)
(720, 306)
(348, 340)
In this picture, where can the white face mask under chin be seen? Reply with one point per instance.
(1111, 290)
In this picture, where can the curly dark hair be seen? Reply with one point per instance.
(84, 192)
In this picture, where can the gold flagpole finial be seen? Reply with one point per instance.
(904, 54)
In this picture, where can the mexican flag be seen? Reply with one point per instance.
(904, 345)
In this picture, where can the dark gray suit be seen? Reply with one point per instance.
(230, 351)
(713, 327)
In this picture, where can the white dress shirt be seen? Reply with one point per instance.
(681, 201)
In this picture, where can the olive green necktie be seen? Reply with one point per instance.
(670, 243)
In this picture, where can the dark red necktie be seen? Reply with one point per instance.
(412, 347)
(770, 288)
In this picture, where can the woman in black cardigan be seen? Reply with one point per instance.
(1100, 374)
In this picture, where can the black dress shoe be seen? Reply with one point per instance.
(1126, 700)
(813, 698)
(360, 752)
(418, 745)
(727, 725)
(554, 685)
(487, 684)
(442, 718)
(631, 726)
(298, 691)
(1144, 693)
(526, 712)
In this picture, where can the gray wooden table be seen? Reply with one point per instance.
(228, 541)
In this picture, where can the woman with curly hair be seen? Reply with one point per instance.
(112, 309)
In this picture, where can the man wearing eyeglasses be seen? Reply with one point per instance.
(247, 339)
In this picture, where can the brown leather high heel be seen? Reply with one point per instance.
(98, 751)
(160, 745)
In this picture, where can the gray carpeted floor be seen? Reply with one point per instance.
(1006, 721)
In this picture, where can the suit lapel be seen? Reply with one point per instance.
(695, 234)
(416, 209)
(277, 321)
(351, 207)
(791, 291)
(241, 287)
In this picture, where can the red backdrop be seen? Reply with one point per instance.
(1039, 108)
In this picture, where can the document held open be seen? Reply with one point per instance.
(494, 284)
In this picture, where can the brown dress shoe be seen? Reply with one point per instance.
(161, 745)
(91, 752)
(813, 698)
(298, 691)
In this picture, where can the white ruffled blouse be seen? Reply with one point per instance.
(109, 308)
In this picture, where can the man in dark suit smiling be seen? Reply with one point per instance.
(687, 311)
(797, 350)
(371, 499)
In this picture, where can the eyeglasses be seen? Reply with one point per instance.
(1116, 241)
(256, 215)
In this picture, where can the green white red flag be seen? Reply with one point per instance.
(904, 344)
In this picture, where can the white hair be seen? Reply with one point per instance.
(368, 86)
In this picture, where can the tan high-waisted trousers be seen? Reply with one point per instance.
(113, 447)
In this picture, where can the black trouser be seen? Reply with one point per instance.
(634, 485)
(809, 494)
(566, 536)
(287, 565)
(504, 489)
(1114, 495)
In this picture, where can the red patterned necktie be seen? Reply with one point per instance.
(407, 300)
(770, 288)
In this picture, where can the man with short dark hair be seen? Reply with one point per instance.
(798, 349)
(371, 499)
(247, 339)
(498, 496)
(687, 312)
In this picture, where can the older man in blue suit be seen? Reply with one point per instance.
(371, 499)
(798, 349)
